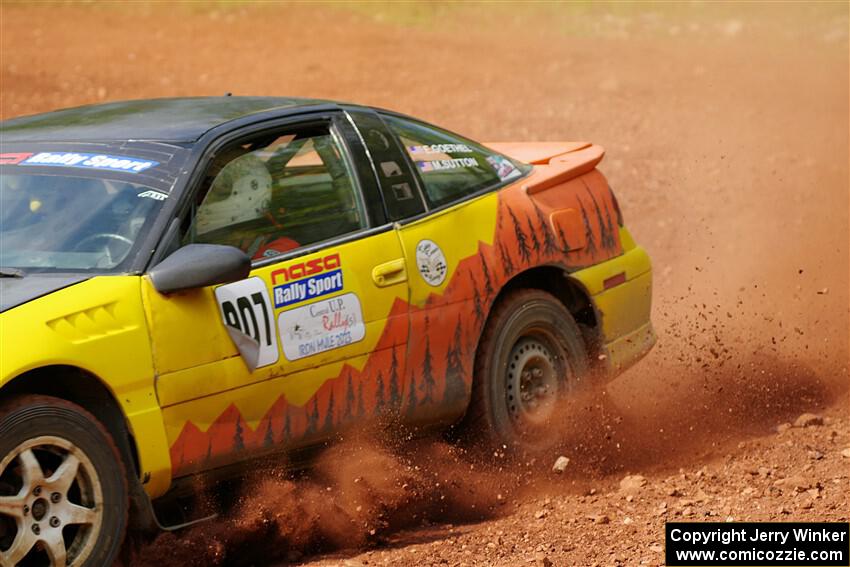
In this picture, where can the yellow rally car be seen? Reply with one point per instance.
(192, 284)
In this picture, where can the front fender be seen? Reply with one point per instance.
(99, 327)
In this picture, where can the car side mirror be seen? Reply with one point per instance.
(200, 265)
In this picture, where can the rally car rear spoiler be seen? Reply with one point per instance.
(559, 161)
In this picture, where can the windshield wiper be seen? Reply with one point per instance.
(11, 273)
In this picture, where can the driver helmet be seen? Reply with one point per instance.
(240, 192)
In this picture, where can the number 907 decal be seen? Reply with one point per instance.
(247, 315)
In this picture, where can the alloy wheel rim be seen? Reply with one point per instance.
(51, 499)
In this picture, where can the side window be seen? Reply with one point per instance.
(398, 185)
(275, 194)
(451, 167)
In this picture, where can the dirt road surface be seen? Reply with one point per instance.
(727, 135)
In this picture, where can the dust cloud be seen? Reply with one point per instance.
(354, 494)
(361, 491)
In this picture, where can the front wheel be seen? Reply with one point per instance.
(530, 356)
(63, 487)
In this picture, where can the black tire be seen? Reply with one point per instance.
(79, 505)
(513, 409)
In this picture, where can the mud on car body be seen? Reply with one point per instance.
(192, 284)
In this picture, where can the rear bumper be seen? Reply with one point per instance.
(622, 309)
(624, 351)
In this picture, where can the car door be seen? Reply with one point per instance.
(450, 259)
(296, 350)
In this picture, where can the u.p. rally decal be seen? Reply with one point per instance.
(324, 325)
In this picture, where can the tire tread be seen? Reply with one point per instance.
(28, 406)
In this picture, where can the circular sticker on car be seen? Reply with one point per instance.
(431, 262)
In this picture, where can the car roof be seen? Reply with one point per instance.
(178, 120)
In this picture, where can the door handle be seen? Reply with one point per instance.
(389, 273)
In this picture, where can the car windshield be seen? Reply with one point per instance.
(68, 223)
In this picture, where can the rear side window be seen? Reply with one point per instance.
(451, 167)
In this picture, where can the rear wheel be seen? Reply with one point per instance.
(531, 355)
(63, 488)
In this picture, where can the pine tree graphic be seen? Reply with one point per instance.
(549, 244)
(238, 442)
(607, 239)
(379, 395)
(534, 241)
(411, 394)
(564, 239)
(395, 389)
(329, 416)
(488, 286)
(287, 427)
(428, 383)
(610, 226)
(313, 417)
(591, 239)
(361, 411)
(349, 400)
(455, 386)
(521, 240)
(476, 300)
(507, 264)
(268, 440)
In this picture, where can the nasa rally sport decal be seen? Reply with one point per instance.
(324, 325)
(247, 315)
(14, 158)
(431, 262)
(307, 280)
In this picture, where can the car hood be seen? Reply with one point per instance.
(17, 291)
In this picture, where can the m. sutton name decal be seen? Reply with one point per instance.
(321, 326)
